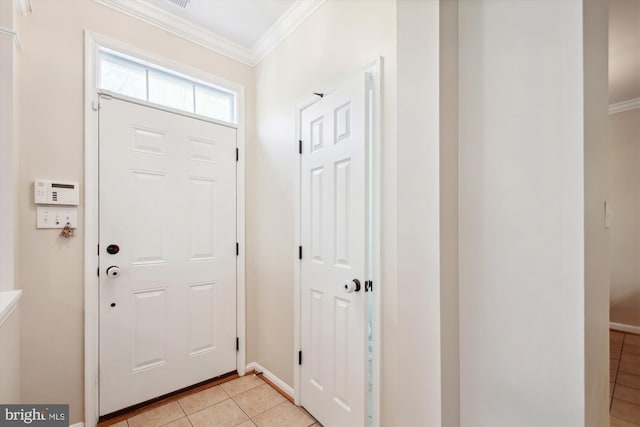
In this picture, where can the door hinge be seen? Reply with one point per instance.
(237, 154)
(237, 344)
(368, 286)
(98, 249)
(300, 146)
(300, 357)
(237, 248)
(98, 272)
(299, 252)
(95, 105)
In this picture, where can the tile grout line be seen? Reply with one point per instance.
(209, 406)
(616, 383)
(185, 411)
(238, 405)
(251, 418)
(299, 408)
(167, 400)
(228, 396)
(245, 412)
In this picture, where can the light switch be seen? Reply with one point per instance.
(56, 216)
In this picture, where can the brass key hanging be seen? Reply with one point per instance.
(67, 231)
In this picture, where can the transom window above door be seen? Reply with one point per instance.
(124, 75)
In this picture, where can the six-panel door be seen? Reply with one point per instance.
(168, 200)
(334, 219)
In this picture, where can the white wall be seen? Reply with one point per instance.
(419, 217)
(340, 37)
(51, 127)
(596, 191)
(624, 139)
(10, 359)
(10, 381)
(522, 206)
(449, 298)
(524, 214)
(8, 149)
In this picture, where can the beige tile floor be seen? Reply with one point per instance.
(245, 402)
(249, 401)
(624, 379)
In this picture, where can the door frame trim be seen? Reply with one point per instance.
(91, 209)
(374, 70)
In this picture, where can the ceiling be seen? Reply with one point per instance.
(240, 21)
(245, 30)
(624, 50)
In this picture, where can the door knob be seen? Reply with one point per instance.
(351, 286)
(113, 271)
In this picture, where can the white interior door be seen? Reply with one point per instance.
(168, 201)
(334, 240)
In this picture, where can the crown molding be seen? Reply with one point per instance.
(23, 7)
(147, 12)
(157, 17)
(619, 107)
(289, 21)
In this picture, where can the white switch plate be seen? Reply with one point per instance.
(56, 216)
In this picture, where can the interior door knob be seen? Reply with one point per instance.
(351, 286)
(113, 271)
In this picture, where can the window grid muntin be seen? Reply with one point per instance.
(228, 96)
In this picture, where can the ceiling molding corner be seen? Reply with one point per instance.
(23, 7)
(620, 107)
(177, 26)
(289, 21)
(146, 12)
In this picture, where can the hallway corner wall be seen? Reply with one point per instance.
(335, 41)
(10, 385)
(51, 130)
(596, 191)
(525, 214)
(624, 202)
(449, 213)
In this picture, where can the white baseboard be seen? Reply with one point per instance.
(271, 377)
(77, 425)
(624, 106)
(624, 328)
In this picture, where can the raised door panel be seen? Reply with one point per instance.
(149, 329)
(334, 216)
(167, 198)
(203, 301)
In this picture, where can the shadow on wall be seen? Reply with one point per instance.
(626, 308)
(624, 199)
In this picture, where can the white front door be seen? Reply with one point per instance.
(168, 223)
(335, 251)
